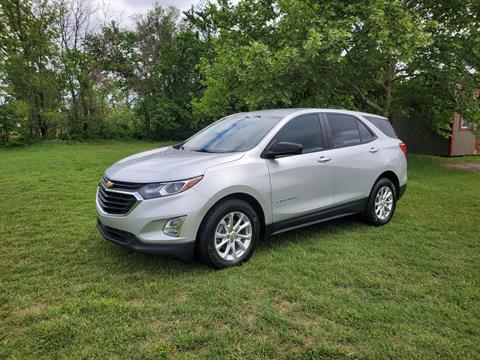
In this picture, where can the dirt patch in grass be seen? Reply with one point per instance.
(284, 305)
(137, 302)
(463, 166)
(342, 288)
(34, 309)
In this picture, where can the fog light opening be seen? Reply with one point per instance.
(173, 227)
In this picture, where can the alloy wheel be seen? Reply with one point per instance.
(384, 202)
(233, 236)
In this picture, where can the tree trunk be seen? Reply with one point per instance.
(42, 121)
(85, 101)
(74, 105)
(86, 115)
(387, 85)
(146, 122)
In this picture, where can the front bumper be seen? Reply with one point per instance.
(142, 228)
(183, 251)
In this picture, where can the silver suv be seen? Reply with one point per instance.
(250, 175)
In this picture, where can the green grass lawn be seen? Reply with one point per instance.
(340, 289)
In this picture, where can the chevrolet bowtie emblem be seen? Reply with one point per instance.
(109, 184)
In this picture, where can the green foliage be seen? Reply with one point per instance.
(392, 57)
(119, 124)
(448, 68)
(155, 66)
(28, 64)
(279, 63)
(385, 39)
(170, 74)
(174, 85)
(13, 119)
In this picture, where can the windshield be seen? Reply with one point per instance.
(239, 132)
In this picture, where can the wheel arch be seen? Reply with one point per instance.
(392, 177)
(248, 198)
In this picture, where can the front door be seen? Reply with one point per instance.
(302, 183)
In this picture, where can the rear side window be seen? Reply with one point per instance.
(344, 130)
(383, 125)
(303, 130)
(365, 134)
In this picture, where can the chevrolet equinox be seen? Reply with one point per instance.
(251, 175)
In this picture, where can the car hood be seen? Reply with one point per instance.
(166, 164)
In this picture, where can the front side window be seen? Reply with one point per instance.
(304, 130)
(344, 130)
(239, 132)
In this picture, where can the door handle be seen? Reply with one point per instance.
(323, 159)
(374, 149)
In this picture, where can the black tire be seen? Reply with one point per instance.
(205, 247)
(370, 212)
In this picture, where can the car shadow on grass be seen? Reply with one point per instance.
(311, 233)
(127, 260)
(124, 260)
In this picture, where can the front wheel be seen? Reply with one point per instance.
(382, 202)
(228, 234)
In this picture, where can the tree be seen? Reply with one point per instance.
(444, 77)
(278, 59)
(30, 58)
(155, 64)
(154, 31)
(169, 75)
(175, 83)
(13, 116)
(74, 22)
(384, 42)
(387, 57)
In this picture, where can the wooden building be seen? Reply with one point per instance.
(422, 140)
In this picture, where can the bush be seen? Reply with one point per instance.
(118, 125)
(13, 120)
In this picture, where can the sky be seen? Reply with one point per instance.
(123, 10)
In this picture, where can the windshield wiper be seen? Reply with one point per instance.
(203, 150)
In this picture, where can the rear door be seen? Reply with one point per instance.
(356, 157)
(301, 183)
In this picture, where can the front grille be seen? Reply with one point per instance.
(120, 185)
(114, 202)
(115, 234)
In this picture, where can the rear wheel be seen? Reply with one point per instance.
(228, 234)
(382, 202)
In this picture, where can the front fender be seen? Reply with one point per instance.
(247, 176)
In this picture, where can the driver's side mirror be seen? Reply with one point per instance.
(282, 149)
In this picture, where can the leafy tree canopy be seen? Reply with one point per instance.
(169, 74)
(388, 57)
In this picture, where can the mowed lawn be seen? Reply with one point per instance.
(343, 289)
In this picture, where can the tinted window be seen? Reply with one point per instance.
(365, 134)
(303, 130)
(239, 132)
(344, 130)
(383, 125)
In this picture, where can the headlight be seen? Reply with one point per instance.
(155, 190)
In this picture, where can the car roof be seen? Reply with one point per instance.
(281, 113)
